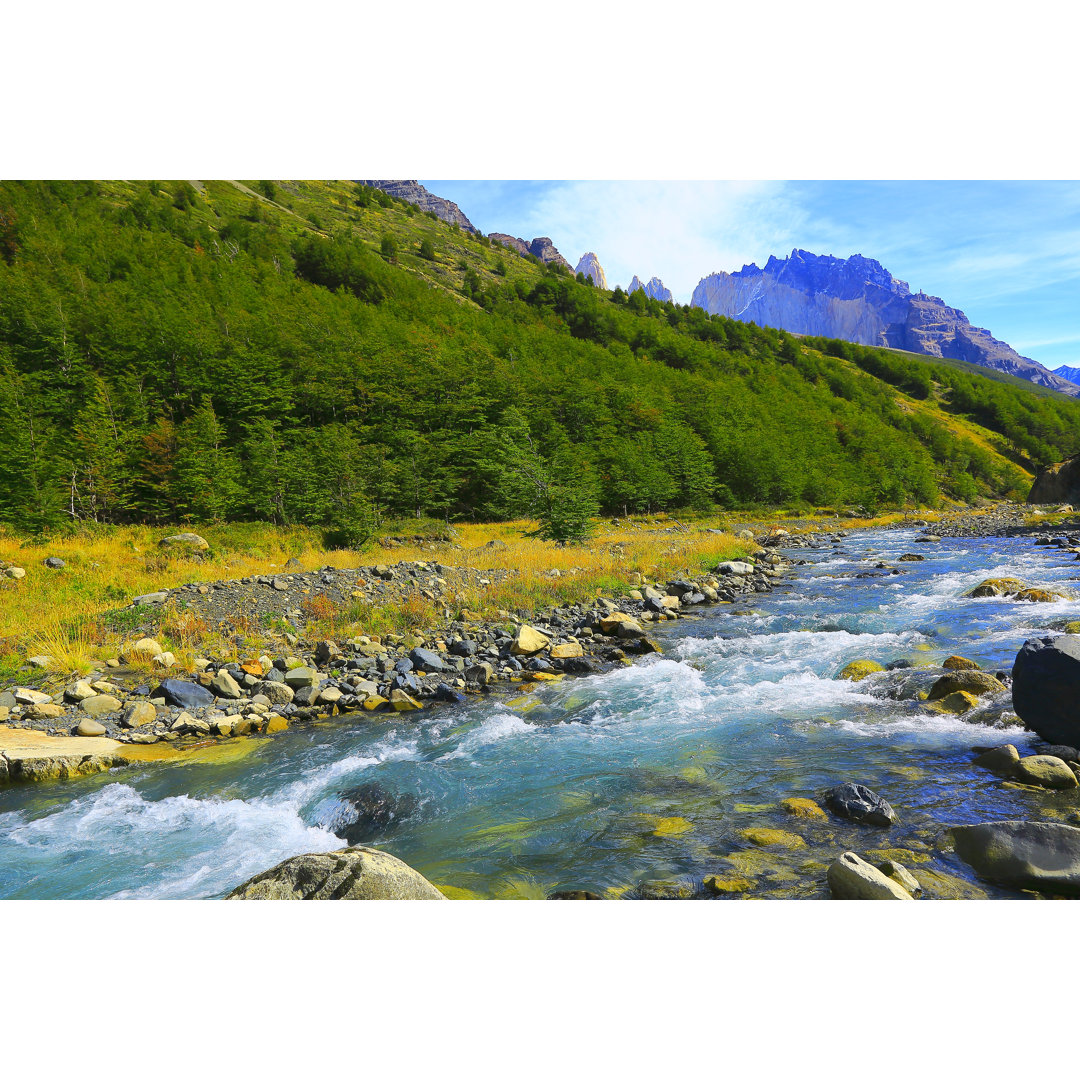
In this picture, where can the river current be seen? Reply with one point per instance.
(665, 770)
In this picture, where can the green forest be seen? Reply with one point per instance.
(318, 352)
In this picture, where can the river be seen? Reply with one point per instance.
(666, 770)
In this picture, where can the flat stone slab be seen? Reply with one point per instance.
(33, 755)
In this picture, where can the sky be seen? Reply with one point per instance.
(1007, 253)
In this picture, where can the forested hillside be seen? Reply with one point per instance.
(319, 352)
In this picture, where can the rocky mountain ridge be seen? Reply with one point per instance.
(418, 195)
(1067, 372)
(540, 246)
(654, 288)
(858, 300)
(589, 265)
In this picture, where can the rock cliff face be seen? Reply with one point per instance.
(589, 265)
(411, 191)
(1058, 483)
(858, 300)
(1066, 372)
(654, 287)
(541, 247)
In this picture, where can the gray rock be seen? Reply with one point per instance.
(90, 729)
(303, 676)
(1023, 854)
(100, 705)
(859, 803)
(181, 694)
(1001, 760)
(151, 598)
(426, 660)
(1046, 687)
(276, 693)
(53, 563)
(358, 873)
(188, 540)
(225, 686)
(851, 878)
(139, 714)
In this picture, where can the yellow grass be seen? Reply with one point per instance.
(62, 613)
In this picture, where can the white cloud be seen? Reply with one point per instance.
(678, 230)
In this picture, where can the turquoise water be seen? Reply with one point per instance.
(655, 771)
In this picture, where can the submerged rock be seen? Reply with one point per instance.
(1046, 688)
(860, 804)
(1023, 854)
(1001, 760)
(665, 890)
(359, 873)
(371, 811)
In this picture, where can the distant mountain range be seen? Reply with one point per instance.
(858, 300)
(854, 299)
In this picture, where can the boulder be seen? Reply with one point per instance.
(15, 572)
(53, 563)
(903, 877)
(1023, 854)
(1001, 760)
(89, 729)
(181, 694)
(186, 541)
(1046, 688)
(359, 873)
(100, 704)
(851, 878)
(735, 568)
(225, 686)
(859, 669)
(529, 640)
(45, 711)
(1045, 770)
(371, 810)
(303, 676)
(277, 693)
(142, 712)
(805, 808)
(327, 651)
(959, 702)
(977, 683)
(959, 663)
(859, 803)
(151, 598)
(426, 660)
(620, 624)
(145, 648)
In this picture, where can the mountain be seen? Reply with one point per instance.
(1066, 372)
(858, 300)
(654, 288)
(589, 265)
(418, 195)
(541, 247)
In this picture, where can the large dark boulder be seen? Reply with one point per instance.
(184, 695)
(859, 803)
(1046, 688)
(1023, 854)
(370, 810)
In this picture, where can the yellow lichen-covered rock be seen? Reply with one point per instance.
(401, 702)
(1045, 770)
(567, 650)
(373, 702)
(726, 885)
(958, 702)
(959, 663)
(32, 755)
(997, 587)
(529, 640)
(805, 808)
(542, 676)
(1038, 596)
(1073, 627)
(972, 682)
(765, 837)
(672, 826)
(274, 723)
(859, 669)
(620, 624)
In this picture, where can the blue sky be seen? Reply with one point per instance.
(1006, 253)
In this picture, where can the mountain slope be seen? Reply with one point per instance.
(418, 195)
(858, 300)
(314, 353)
(1066, 372)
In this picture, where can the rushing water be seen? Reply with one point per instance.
(570, 784)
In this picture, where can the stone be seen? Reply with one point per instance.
(764, 837)
(371, 810)
(401, 702)
(100, 704)
(736, 568)
(858, 670)
(15, 572)
(902, 876)
(151, 598)
(977, 683)
(859, 803)
(665, 890)
(614, 623)
(851, 878)
(326, 651)
(1036, 855)
(225, 686)
(374, 701)
(144, 648)
(164, 660)
(1046, 688)
(331, 695)
(912, 558)
(958, 702)
(356, 873)
(481, 673)
(276, 723)
(188, 541)
(298, 677)
(25, 696)
(89, 729)
(181, 694)
(959, 663)
(79, 692)
(572, 894)
(142, 712)
(568, 650)
(44, 711)
(528, 640)
(1044, 770)
(33, 756)
(426, 660)
(804, 808)
(1001, 760)
(726, 885)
